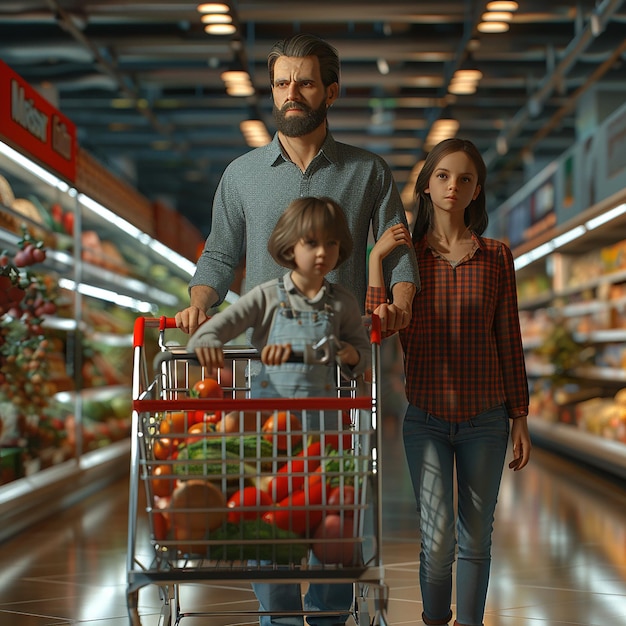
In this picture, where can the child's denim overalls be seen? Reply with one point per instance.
(297, 380)
(291, 380)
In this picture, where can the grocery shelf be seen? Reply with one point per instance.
(28, 500)
(604, 454)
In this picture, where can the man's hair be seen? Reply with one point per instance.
(306, 217)
(306, 45)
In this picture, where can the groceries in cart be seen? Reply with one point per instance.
(256, 484)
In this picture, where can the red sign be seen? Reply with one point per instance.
(31, 124)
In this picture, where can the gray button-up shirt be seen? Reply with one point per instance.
(257, 187)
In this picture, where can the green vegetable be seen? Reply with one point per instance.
(250, 447)
(256, 540)
(343, 467)
(212, 461)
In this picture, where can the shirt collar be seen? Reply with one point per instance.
(423, 243)
(328, 149)
(291, 288)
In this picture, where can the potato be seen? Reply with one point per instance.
(196, 508)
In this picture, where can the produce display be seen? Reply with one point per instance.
(252, 485)
(27, 419)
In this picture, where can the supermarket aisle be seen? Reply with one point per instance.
(559, 556)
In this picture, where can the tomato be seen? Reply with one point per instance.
(286, 423)
(162, 487)
(248, 504)
(208, 388)
(342, 547)
(178, 422)
(342, 499)
(291, 476)
(333, 440)
(162, 448)
(300, 512)
(198, 431)
(206, 417)
(159, 526)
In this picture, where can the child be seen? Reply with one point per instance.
(465, 380)
(311, 238)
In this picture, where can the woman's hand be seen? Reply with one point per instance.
(393, 237)
(520, 438)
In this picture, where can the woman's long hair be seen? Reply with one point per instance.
(476, 218)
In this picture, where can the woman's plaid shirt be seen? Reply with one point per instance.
(463, 348)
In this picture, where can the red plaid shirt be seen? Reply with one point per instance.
(463, 347)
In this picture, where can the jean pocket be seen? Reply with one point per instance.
(496, 418)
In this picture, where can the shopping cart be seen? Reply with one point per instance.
(243, 489)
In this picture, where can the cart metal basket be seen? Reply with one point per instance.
(243, 489)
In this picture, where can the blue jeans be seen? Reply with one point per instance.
(319, 597)
(477, 449)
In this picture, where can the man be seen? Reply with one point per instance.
(303, 159)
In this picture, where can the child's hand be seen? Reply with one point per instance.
(275, 354)
(348, 355)
(393, 237)
(211, 358)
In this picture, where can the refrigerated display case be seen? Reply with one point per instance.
(100, 271)
(572, 300)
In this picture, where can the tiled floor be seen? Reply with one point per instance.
(559, 556)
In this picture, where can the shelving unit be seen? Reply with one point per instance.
(101, 290)
(585, 298)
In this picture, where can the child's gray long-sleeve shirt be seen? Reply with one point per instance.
(255, 310)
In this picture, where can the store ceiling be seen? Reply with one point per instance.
(141, 80)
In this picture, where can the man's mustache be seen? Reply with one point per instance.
(294, 105)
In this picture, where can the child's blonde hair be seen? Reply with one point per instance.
(306, 217)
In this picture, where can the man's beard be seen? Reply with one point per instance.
(298, 125)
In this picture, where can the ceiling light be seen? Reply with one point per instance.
(467, 75)
(255, 133)
(493, 27)
(220, 29)
(213, 7)
(235, 76)
(461, 88)
(240, 89)
(502, 6)
(497, 16)
(238, 83)
(216, 18)
(464, 82)
(383, 66)
(441, 129)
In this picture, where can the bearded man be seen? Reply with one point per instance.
(303, 159)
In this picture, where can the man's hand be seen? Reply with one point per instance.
(397, 315)
(189, 319)
(202, 299)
